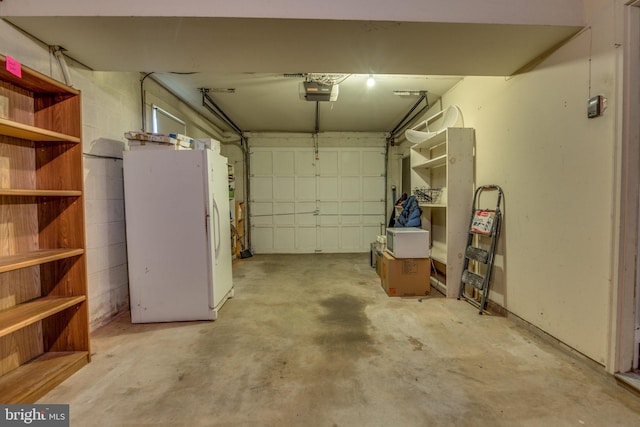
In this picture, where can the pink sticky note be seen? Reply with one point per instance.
(14, 67)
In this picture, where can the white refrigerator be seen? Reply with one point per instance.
(178, 234)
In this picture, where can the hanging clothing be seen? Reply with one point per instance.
(410, 215)
(392, 220)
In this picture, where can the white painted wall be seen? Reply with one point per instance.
(557, 168)
(109, 103)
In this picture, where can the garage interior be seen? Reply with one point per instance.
(310, 337)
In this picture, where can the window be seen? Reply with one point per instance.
(165, 122)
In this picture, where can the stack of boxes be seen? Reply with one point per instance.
(146, 140)
(171, 141)
(403, 264)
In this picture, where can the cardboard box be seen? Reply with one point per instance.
(207, 143)
(403, 277)
(148, 145)
(165, 138)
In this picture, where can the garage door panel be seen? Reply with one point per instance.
(350, 208)
(262, 239)
(327, 208)
(284, 163)
(261, 213)
(305, 213)
(306, 239)
(306, 219)
(371, 208)
(305, 163)
(329, 213)
(350, 164)
(351, 238)
(350, 188)
(328, 188)
(288, 186)
(305, 189)
(284, 213)
(284, 239)
(262, 188)
(262, 163)
(329, 238)
(328, 163)
(372, 163)
(351, 219)
(329, 220)
(373, 188)
(369, 233)
(373, 220)
(283, 188)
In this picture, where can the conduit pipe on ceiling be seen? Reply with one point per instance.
(143, 101)
(57, 53)
(402, 124)
(406, 120)
(213, 108)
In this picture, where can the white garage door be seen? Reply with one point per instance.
(300, 204)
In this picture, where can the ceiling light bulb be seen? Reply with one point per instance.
(370, 81)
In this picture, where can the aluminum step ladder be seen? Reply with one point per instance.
(484, 230)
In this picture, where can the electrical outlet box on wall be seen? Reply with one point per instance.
(596, 106)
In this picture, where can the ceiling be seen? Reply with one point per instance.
(252, 57)
(271, 102)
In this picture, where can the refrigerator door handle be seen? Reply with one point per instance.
(216, 231)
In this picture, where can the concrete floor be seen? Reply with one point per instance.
(312, 340)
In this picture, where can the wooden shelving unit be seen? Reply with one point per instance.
(44, 328)
(445, 161)
(239, 219)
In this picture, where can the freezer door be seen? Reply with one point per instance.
(220, 228)
(167, 245)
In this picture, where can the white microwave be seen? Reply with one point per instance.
(408, 242)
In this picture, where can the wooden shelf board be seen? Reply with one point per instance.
(432, 163)
(435, 140)
(32, 133)
(33, 311)
(39, 193)
(33, 380)
(34, 81)
(15, 262)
